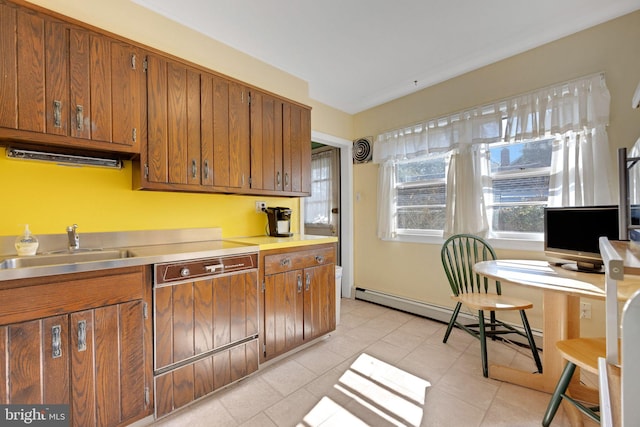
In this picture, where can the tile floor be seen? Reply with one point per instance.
(381, 367)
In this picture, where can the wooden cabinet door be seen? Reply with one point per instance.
(266, 142)
(283, 312)
(34, 362)
(127, 94)
(225, 133)
(319, 301)
(108, 388)
(173, 138)
(296, 149)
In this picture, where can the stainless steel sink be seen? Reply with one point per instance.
(64, 258)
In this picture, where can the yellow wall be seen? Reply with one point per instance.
(414, 270)
(50, 197)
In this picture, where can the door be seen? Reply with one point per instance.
(322, 208)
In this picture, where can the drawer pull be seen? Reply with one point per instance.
(319, 259)
(56, 342)
(285, 262)
(214, 268)
(82, 335)
(299, 283)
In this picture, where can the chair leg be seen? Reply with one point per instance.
(532, 343)
(483, 344)
(452, 322)
(556, 397)
(492, 317)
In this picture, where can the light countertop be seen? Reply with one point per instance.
(268, 242)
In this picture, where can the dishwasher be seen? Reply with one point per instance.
(205, 326)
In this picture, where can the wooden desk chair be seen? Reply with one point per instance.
(459, 253)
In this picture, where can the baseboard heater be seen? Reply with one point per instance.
(432, 311)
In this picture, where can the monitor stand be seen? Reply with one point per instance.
(584, 267)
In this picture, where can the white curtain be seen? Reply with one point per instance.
(386, 203)
(318, 205)
(575, 113)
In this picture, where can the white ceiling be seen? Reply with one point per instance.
(356, 54)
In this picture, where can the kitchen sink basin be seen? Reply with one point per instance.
(64, 258)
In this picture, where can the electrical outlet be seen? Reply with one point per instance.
(261, 206)
(585, 310)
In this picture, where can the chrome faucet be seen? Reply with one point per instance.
(74, 238)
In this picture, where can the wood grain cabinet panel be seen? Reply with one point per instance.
(206, 337)
(95, 360)
(298, 297)
(67, 86)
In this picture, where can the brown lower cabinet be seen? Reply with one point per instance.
(93, 357)
(206, 337)
(298, 297)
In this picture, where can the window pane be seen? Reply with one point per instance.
(423, 170)
(521, 189)
(420, 194)
(421, 218)
(518, 218)
(524, 155)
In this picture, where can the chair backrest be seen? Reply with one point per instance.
(459, 253)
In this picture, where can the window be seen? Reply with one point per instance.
(519, 187)
(420, 195)
(516, 192)
(506, 162)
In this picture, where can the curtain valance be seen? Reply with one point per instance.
(571, 106)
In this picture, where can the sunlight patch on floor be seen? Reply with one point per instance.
(383, 389)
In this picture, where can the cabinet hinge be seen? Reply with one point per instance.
(249, 99)
(133, 61)
(145, 65)
(146, 396)
(264, 349)
(146, 171)
(145, 310)
(264, 287)
(134, 134)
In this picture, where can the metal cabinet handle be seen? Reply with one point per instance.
(286, 179)
(56, 342)
(57, 114)
(319, 259)
(307, 282)
(194, 169)
(299, 283)
(79, 117)
(82, 335)
(206, 169)
(279, 179)
(214, 268)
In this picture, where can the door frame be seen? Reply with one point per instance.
(346, 205)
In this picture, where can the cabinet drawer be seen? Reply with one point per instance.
(66, 296)
(279, 263)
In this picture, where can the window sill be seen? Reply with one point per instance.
(510, 244)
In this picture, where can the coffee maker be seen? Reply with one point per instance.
(279, 221)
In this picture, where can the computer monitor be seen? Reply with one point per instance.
(572, 234)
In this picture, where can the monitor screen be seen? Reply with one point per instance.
(573, 233)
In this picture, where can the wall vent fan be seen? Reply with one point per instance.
(362, 150)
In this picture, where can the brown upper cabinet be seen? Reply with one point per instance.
(280, 146)
(63, 85)
(66, 84)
